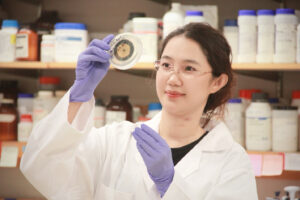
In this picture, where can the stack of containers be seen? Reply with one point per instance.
(247, 36)
(285, 36)
(146, 29)
(8, 33)
(70, 40)
(194, 16)
(265, 36)
(231, 34)
(173, 19)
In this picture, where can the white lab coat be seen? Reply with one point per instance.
(66, 163)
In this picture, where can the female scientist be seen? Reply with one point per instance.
(183, 153)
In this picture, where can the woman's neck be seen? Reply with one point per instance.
(180, 130)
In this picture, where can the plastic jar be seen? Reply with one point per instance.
(247, 36)
(173, 19)
(8, 33)
(128, 27)
(193, 16)
(24, 127)
(298, 43)
(296, 102)
(43, 105)
(285, 36)
(49, 83)
(231, 33)
(258, 123)
(8, 120)
(146, 29)
(265, 36)
(118, 109)
(153, 109)
(285, 128)
(25, 104)
(47, 48)
(27, 45)
(235, 120)
(70, 40)
(99, 114)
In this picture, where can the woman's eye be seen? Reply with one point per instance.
(165, 65)
(190, 68)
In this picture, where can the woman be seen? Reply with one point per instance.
(172, 156)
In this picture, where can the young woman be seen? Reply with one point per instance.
(183, 153)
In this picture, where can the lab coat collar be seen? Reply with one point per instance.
(218, 139)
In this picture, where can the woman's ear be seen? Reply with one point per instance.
(218, 83)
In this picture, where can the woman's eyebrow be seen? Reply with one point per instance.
(167, 57)
(191, 61)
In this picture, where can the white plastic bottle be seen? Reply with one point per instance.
(285, 36)
(265, 36)
(43, 105)
(47, 48)
(195, 16)
(8, 40)
(231, 33)
(25, 104)
(153, 109)
(235, 120)
(24, 127)
(298, 43)
(285, 128)
(258, 123)
(173, 19)
(296, 102)
(247, 36)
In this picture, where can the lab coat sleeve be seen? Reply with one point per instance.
(61, 160)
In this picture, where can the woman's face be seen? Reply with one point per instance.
(185, 90)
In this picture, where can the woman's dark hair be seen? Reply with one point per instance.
(218, 54)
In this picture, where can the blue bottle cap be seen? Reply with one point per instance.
(265, 12)
(25, 95)
(247, 12)
(235, 100)
(64, 25)
(273, 100)
(154, 106)
(194, 13)
(285, 11)
(10, 23)
(230, 22)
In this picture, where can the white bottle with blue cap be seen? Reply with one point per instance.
(231, 33)
(173, 19)
(8, 33)
(194, 16)
(265, 36)
(153, 109)
(285, 36)
(247, 36)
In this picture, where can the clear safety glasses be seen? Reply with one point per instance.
(186, 71)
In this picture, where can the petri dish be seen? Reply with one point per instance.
(126, 50)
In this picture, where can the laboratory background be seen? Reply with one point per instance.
(40, 41)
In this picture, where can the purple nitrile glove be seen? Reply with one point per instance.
(92, 66)
(157, 156)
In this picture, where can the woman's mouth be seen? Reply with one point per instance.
(173, 94)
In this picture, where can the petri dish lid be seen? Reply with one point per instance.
(126, 50)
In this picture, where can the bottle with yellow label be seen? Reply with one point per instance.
(8, 33)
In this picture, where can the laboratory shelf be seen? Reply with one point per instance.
(20, 146)
(150, 66)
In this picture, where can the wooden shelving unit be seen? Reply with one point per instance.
(150, 66)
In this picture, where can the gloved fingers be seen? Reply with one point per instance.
(108, 38)
(100, 44)
(141, 136)
(149, 131)
(91, 58)
(145, 155)
(103, 55)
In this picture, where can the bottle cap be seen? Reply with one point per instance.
(194, 13)
(259, 97)
(26, 118)
(285, 108)
(99, 102)
(25, 95)
(235, 100)
(230, 22)
(296, 94)
(10, 23)
(247, 12)
(126, 50)
(49, 80)
(154, 106)
(266, 12)
(64, 25)
(286, 11)
(273, 100)
(136, 14)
